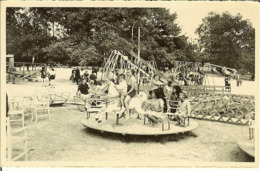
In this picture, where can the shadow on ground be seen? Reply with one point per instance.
(140, 138)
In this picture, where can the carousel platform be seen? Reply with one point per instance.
(248, 146)
(133, 126)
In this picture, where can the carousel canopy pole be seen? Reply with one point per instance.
(138, 61)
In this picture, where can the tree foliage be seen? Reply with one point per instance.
(228, 40)
(85, 36)
(26, 34)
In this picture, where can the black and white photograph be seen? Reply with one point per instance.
(129, 84)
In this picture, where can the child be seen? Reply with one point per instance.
(227, 82)
(183, 109)
(111, 89)
(131, 91)
(92, 87)
(112, 100)
(122, 88)
(154, 106)
(43, 74)
(167, 90)
(99, 88)
(52, 76)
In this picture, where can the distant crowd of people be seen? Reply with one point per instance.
(76, 77)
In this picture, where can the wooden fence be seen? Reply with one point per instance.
(17, 71)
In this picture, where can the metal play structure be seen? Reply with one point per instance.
(121, 63)
(117, 62)
(229, 108)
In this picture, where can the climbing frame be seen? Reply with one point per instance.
(227, 108)
(120, 62)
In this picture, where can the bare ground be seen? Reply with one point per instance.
(64, 138)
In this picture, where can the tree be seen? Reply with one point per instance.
(229, 40)
(26, 34)
(83, 35)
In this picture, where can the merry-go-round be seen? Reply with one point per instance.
(136, 124)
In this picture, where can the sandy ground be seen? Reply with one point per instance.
(64, 138)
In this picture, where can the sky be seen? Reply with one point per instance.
(190, 15)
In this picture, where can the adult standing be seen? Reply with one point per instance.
(93, 77)
(77, 75)
(85, 76)
(95, 70)
(131, 90)
(73, 72)
(238, 79)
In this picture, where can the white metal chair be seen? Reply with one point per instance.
(172, 107)
(15, 138)
(16, 112)
(41, 105)
(28, 106)
(95, 105)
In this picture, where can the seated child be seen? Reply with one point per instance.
(99, 87)
(183, 109)
(92, 87)
(112, 91)
(112, 100)
(155, 106)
